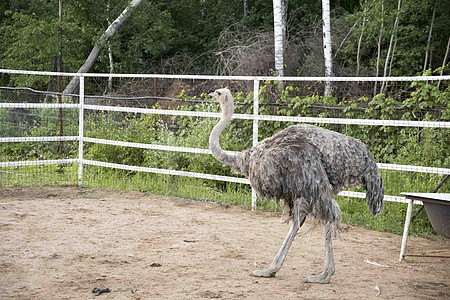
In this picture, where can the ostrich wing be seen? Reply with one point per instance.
(293, 172)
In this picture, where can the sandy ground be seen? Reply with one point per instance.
(62, 242)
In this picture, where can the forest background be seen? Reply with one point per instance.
(226, 37)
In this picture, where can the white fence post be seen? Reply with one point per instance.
(255, 126)
(81, 132)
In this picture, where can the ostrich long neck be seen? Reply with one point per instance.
(214, 145)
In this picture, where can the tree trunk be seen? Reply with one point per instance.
(394, 31)
(327, 44)
(59, 69)
(284, 14)
(111, 67)
(110, 56)
(392, 56)
(444, 61)
(278, 37)
(358, 54)
(345, 39)
(379, 49)
(95, 52)
(429, 41)
(245, 8)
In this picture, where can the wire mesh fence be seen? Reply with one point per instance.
(151, 132)
(39, 131)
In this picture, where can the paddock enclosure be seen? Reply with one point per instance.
(62, 242)
(66, 228)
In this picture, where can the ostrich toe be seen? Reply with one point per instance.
(323, 277)
(263, 273)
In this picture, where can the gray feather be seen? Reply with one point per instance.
(310, 164)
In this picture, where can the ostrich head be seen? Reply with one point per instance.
(225, 99)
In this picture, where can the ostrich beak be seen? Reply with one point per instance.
(213, 94)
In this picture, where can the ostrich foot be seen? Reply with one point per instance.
(263, 273)
(323, 277)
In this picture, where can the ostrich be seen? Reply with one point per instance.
(306, 166)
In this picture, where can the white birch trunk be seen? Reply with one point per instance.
(392, 56)
(111, 67)
(345, 39)
(394, 31)
(278, 37)
(379, 49)
(110, 56)
(327, 44)
(245, 8)
(444, 61)
(358, 54)
(429, 41)
(95, 52)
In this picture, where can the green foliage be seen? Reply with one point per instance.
(117, 126)
(414, 21)
(42, 122)
(22, 47)
(182, 36)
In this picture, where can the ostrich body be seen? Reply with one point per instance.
(306, 166)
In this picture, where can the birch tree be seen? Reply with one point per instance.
(278, 37)
(327, 44)
(379, 49)
(391, 42)
(444, 61)
(429, 41)
(358, 53)
(95, 52)
(391, 60)
(110, 55)
(245, 4)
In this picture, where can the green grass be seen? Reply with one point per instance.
(234, 194)
(39, 175)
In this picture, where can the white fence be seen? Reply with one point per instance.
(256, 117)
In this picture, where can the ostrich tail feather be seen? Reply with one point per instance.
(374, 186)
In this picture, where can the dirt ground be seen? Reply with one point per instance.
(62, 242)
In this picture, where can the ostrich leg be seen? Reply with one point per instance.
(277, 262)
(328, 271)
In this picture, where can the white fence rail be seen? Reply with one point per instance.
(82, 107)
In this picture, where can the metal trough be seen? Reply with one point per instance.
(437, 207)
(439, 214)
